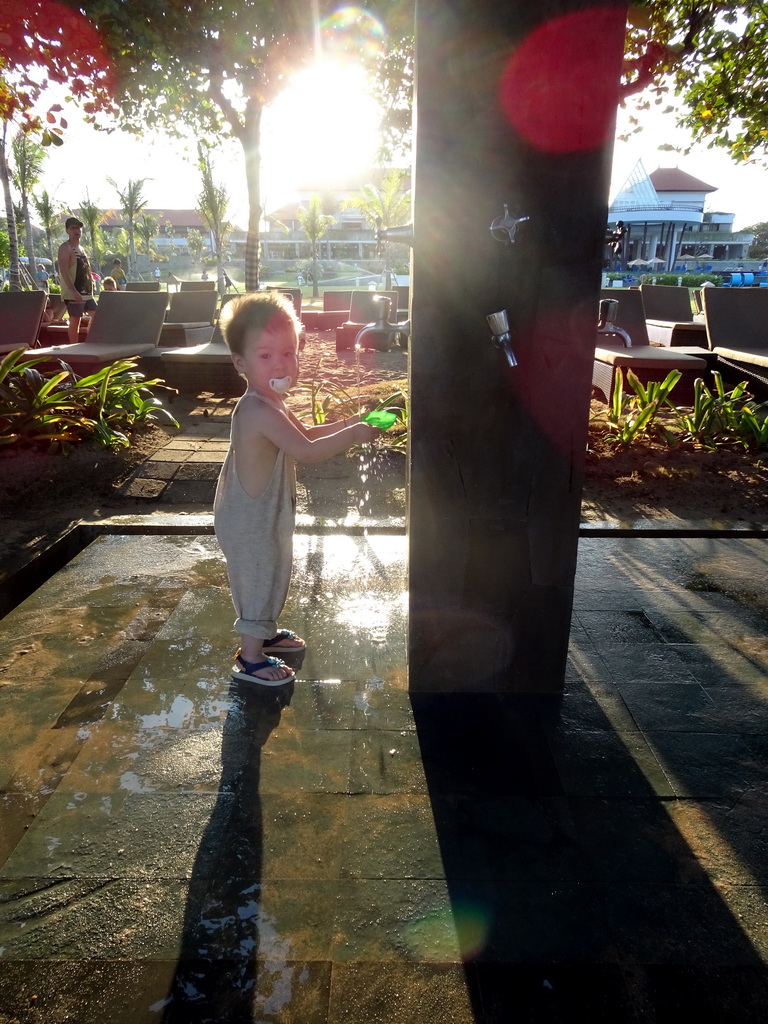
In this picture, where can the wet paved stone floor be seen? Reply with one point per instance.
(175, 846)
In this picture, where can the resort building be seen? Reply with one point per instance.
(661, 221)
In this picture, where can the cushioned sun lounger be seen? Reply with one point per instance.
(125, 325)
(20, 317)
(737, 332)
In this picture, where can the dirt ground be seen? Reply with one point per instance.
(40, 493)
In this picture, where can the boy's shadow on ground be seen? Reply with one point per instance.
(215, 978)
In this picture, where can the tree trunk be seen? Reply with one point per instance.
(131, 251)
(32, 262)
(315, 289)
(95, 263)
(14, 282)
(251, 142)
(220, 268)
(51, 255)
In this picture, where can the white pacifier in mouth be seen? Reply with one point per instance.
(280, 384)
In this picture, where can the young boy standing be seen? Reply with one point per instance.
(255, 503)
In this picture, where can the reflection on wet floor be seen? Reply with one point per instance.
(175, 846)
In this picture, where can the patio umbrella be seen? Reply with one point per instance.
(638, 263)
(686, 257)
(656, 259)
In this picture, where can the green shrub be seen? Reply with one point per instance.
(716, 419)
(61, 409)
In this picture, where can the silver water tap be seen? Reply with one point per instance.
(402, 233)
(383, 325)
(499, 324)
(608, 312)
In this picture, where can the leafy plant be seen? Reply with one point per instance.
(62, 409)
(325, 397)
(631, 416)
(721, 417)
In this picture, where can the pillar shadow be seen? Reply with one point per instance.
(216, 974)
(573, 894)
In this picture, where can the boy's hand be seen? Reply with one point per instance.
(365, 433)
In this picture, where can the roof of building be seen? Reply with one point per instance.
(178, 218)
(672, 179)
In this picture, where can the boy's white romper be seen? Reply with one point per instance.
(256, 536)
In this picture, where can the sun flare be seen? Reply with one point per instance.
(322, 128)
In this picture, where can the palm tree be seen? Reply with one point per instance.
(212, 206)
(28, 156)
(383, 206)
(92, 216)
(314, 224)
(50, 218)
(132, 202)
(148, 228)
(14, 278)
(195, 245)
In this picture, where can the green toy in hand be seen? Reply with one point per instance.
(381, 418)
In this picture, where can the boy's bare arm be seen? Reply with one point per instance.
(279, 428)
(323, 429)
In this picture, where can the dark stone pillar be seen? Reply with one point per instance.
(515, 103)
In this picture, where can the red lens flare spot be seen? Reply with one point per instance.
(560, 89)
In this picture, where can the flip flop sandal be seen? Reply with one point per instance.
(283, 634)
(246, 670)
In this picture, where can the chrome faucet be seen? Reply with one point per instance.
(609, 308)
(402, 233)
(499, 324)
(383, 325)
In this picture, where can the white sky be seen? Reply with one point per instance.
(741, 188)
(289, 157)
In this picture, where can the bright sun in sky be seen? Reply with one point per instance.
(323, 128)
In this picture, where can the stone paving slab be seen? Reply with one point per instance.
(178, 847)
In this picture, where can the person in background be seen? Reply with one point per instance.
(119, 275)
(54, 310)
(109, 284)
(42, 277)
(76, 277)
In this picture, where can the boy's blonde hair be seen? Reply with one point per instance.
(256, 311)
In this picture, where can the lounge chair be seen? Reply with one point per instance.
(125, 324)
(666, 302)
(197, 286)
(142, 286)
(670, 318)
(20, 317)
(335, 311)
(363, 310)
(647, 362)
(403, 302)
(737, 332)
(200, 368)
(189, 320)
